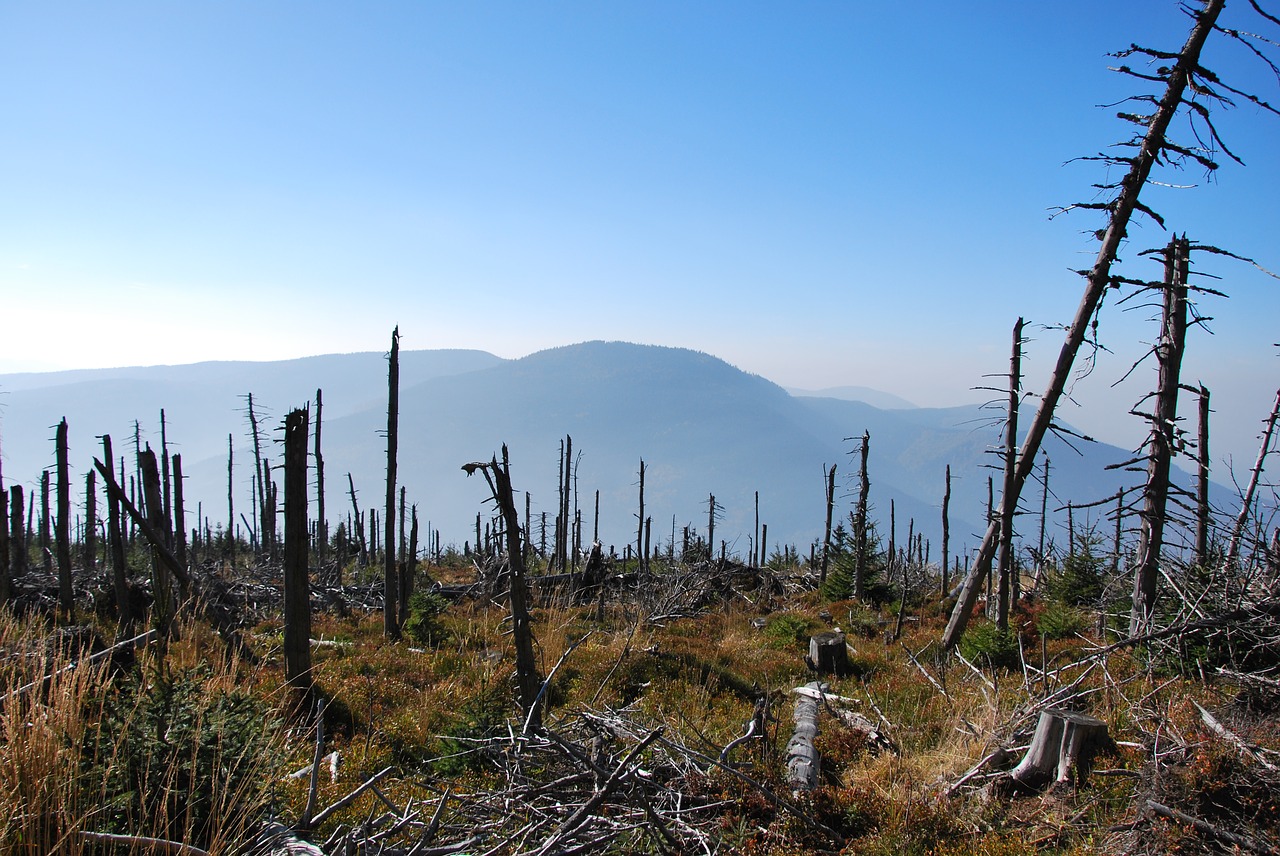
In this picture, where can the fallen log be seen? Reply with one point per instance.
(803, 760)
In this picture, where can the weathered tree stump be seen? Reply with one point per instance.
(1062, 749)
(828, 654)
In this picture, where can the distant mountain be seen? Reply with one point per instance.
(702, 427)
(874, 397)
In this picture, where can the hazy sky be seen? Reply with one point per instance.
(820, 193)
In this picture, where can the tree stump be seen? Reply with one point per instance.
(828, 654)
(1062, 749)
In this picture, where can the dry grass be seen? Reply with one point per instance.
(72, 761)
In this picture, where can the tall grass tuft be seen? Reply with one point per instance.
(163, 751)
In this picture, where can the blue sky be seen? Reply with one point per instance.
(820, 193)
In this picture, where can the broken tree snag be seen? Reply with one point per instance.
(390, 578)
(803, 761)
(1062, 749)
(828, 654)
(297, 590)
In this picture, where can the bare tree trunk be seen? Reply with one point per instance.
(1116, 546)
(528, 681)
(946, 531)
(640, 523)
(17, 535)
(297, 589)
(1169, 351)
(322, 523)
(711, 527)
(1005, 564)
(409, 567)
(115, 546)
(164, 478)
(66, 602)
(231, 501)
(1202, 483)
(1099, 279)
(391, 615)
(91, 523)
(1044, 514)
(358, 523)
(179, 515)
(45, 553)
(826, 532)
(6, 565)
(162, 608)
(260, 496)
(1237, 531)
(860, 545)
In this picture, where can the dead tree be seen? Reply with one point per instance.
(66, 602)
(946, 529)
(826, 531)
(1180, 72)
(1246, 504)
(409, 567)
(91, 523)
(358, 523)
(297, 590)
(1009, 453)
(45, 553)
(163, 602)
(17, 535)
(260, 497)
(115, 544)
(6, 566)
(641, 566)
(179, 514)
(1202, 482)
(860, 525)
(528, 680)
(231, 502)
(1163, 437)
(164, 478)
(322, 524)
(390, 581)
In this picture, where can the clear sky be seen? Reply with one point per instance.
(820, 193)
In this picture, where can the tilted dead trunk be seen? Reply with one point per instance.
(1098, 280)
(1237, 531)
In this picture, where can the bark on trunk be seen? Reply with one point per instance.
(297, 589)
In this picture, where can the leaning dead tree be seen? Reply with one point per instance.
(528, 680)
(1187, 86)
(1237, 531)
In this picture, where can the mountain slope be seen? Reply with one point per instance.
(702, 426)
